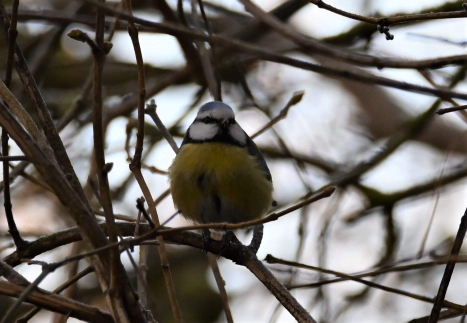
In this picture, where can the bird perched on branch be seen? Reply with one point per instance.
(219, 175)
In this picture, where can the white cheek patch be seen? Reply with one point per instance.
(237, 133)
(202, 131)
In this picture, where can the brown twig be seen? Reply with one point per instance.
(43, 114)
(204, 54)
(383, 270)
(133, 32)
(266, 55)
(151, 111)
(443, 287)
(117, 216)
(43, 244)
(388, 21)
(142, 283)
(12, 34)
(295, 99)
(135, 166)
(140, 206)
(326, 192)
(12, 158)
(117, 306)
(276, 288)
(161, 197)
(11, 275)
(273, 260)
(236, 252)
(57, 290)
(453, 109)
(220, 282)
(12, 229)
(46, 270)
(57, 303)
(215, 66)
(83, 37)
(366, 60)
(32, 143)
(162, 253)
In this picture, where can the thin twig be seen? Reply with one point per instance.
(83, 37)
(266, 55)
(13, 158)
(33, 144)
(115, 286)
(133, 32)
(162, 252)
(295, 99)
(57, 303)
(141, 283)
(443, 287)
(326, 192)
(220, 282)
(135, 166)
(273, 260)
(208, 70)
(140, 206)
(383, 270)
(46, 270)
(12, 229)
(214, 65)
(151, 111)
(453, 109)
(388, 21)
(437, 194)
(39, 245)
(368, 60)
(58, 290)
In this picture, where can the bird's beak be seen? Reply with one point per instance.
(224, 124)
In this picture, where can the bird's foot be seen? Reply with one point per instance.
(227, 239)
(257, 238)
(206, 235)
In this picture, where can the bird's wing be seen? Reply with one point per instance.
(256, 153)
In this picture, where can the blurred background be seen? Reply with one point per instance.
(379, 218)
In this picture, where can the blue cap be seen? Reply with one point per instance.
(213, 105)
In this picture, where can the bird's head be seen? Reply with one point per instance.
(215, 121)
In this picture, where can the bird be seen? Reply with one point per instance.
(219, 174)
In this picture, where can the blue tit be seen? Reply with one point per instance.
(219, 175)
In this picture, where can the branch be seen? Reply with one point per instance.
(266, 55)
(57, 303)
(135, 167)
(295, 99)
(12, 229)
(61, 238)
(236, 252)
(273, 260)
(443, 287)
(388, 21)
(209, 72)
(58, 290)
(360, 59)
(43, 114)
(151, 111)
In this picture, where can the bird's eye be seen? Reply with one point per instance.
(209, 120)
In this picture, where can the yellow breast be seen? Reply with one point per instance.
(215, 182)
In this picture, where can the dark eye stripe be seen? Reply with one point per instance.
(208, 120)
(211, 120)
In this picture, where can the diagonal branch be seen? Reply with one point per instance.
(443, 287)
(57, 303)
